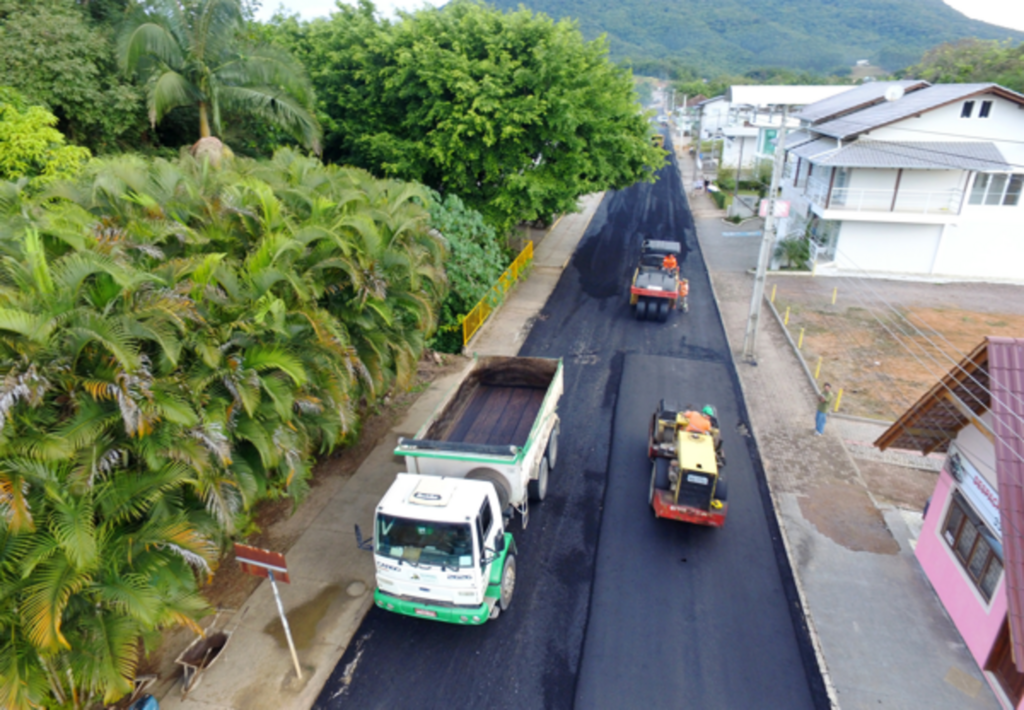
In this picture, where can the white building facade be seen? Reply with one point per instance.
(926, 183)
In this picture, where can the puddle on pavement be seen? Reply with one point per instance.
(304, 619)
(846, 515)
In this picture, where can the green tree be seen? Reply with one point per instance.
(514, 113)
(30, 146)
(191, 54)
(972, 61)
(57, 58)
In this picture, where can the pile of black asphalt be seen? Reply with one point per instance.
(614, 608)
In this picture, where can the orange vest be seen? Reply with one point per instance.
(695, 421)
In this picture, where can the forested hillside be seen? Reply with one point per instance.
(738, 35)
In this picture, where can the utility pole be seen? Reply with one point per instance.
(739, 173)
(767, 244)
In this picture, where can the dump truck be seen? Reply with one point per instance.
(657, 290)
(685, 449)
(440, 541)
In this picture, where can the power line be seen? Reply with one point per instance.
(956, 363)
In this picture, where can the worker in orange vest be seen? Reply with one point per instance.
(669, 263)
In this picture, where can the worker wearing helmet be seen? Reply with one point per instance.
(709, 412)
(669, 263)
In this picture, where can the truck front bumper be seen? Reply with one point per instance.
(665, 508)
(463, 615)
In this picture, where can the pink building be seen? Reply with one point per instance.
(972, 543)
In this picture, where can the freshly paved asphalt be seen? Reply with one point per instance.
(614, 608)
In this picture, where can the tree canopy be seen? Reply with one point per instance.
(57, 57)
(513, 112)
(972, 61)
(191, 54)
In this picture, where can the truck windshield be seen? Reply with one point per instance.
(423, 542)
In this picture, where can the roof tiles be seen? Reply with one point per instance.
(1006, 369)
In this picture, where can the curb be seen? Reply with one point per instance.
(819, 655)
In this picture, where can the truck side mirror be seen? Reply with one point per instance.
(360, 543)
(499, 544)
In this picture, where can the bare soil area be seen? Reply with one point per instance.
(885, 343)
(278, 524)
(898, 486)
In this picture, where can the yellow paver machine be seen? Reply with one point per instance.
(685, 449)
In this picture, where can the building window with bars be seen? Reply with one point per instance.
(997, 189)
(974, 546)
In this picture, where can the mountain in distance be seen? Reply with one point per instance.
(739, 35)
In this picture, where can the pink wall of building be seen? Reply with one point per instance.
(978, 625)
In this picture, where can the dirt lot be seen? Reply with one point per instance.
(885, 343)
(278, 525)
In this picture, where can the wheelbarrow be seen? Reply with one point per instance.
(199, 655)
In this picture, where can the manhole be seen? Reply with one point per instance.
(356, 589)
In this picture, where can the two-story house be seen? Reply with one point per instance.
(910, 179)
(971, 545)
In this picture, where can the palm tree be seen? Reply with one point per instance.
(190, 54)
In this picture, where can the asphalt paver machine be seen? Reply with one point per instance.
(656, 289)
(685, 449)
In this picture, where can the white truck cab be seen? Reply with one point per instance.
(441, 550)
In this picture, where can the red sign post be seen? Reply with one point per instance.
(271, 565)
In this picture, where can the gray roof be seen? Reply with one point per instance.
(857, 97)
(913, 103)
(808, 150)
(976, 155)
(795, 138)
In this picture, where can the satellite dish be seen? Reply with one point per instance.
(894, 93)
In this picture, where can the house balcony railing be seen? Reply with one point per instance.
(905, 201)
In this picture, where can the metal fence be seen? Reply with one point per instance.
(482, 310)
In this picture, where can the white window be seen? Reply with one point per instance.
(985, 110)
(996, 189)
(967, 109)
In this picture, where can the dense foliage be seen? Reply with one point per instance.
(191, 54)
(57, 56)
(30, 146)
(474, 263)
(972, 61)
(514, 113)
(176, 344)
(738, 35)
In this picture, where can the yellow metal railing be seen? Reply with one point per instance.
(481, 311)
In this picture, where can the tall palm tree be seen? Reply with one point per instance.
(191, 54)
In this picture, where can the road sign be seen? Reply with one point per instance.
(264, 563)
(781, 208)
(260, 563)
(742, 234)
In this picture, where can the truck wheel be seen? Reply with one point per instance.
(641, 309)
(553, 446)
(663, 311)
(659, 478)
(508, 581)
(496, 480)
(538, 488)
(721, 490)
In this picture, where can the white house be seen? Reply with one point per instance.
(752, 116)
(907, 178)
(713, 115)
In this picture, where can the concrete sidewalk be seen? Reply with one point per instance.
(882, 636)
(332, 580)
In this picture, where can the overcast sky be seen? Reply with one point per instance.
(1008, 13)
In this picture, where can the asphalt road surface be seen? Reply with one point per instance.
(614, 609)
